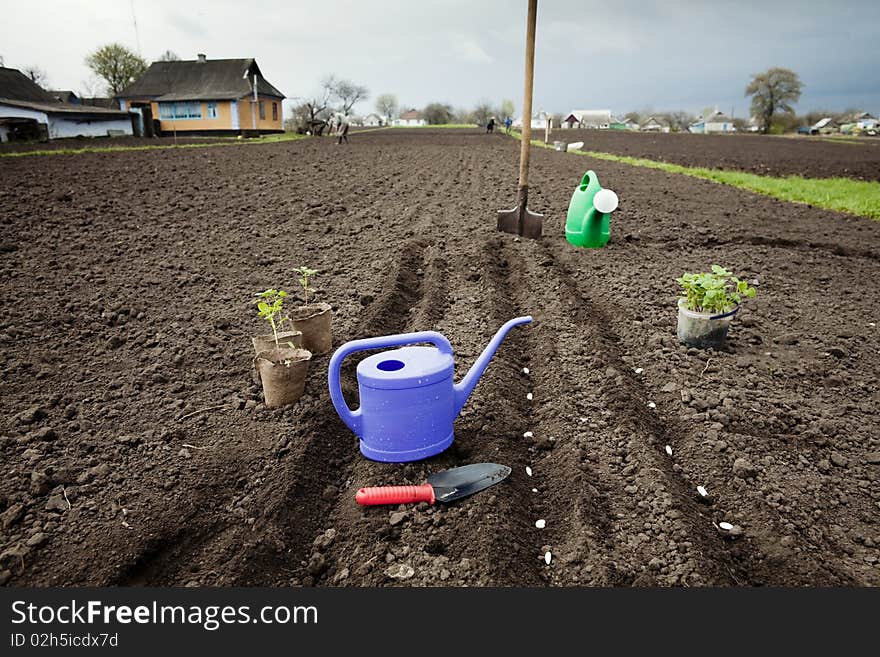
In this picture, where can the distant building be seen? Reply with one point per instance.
(373, 120)
(589, 119)
(204, 96)
(825, 126)
(653, 124)
(865, 120)
(410, 117)
(716, 122)
(539, 120)
(29, 112)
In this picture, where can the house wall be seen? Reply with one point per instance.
(63, 126)
(410, 122)
(247, 112)
(11, 111)
(719, 127)
(231, 115)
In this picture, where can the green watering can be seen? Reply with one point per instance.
(589, 213)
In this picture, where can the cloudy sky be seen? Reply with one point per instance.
(615, 54)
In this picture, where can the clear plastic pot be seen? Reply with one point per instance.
(703, 330)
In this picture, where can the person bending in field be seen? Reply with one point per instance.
(341, 128)
(490, 127)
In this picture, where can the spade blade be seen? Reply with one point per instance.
(451, 485)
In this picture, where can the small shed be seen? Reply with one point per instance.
(29, 112)
(588, 119)
(373, 120)
(653, 124)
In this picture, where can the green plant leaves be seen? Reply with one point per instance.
(714, 292)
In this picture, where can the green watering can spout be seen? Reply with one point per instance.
(589, 213)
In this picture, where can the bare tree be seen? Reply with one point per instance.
(482, 113)
(386, 105)
(168, 56)
(774, 91)
(348, 94)
(508, 108)
(37, 75)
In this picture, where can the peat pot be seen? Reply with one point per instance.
(703, 330)
(285, 340)
(283, 374)
(314, 321)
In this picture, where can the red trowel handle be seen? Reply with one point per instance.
(395, 495)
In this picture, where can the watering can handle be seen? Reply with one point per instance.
(353, 418)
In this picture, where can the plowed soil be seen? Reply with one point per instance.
(136, 449)
(811, 157)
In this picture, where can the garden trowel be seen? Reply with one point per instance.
(446, 486)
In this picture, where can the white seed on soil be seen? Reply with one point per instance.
(652, 405)
(669, 450)
(639, 370)
(548, 557)
(540, 524)
(534, 490)
(528, 471)
(529, 396)
(702, 491)
(528, 434)
(726, 526)
(525, 370)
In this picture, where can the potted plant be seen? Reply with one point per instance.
(711, 301)
(290, 338)
(282, 368)
(313, 319)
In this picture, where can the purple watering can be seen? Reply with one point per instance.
(408, 398)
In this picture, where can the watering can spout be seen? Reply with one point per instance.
(466, 386)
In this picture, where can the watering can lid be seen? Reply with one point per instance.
(408, 367)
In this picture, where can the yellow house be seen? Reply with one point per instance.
(204, 96)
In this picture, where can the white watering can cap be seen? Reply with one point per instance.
(605, 201)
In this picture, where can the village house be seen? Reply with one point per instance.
(716, 122)
(410, 117)
(653, 124)
(591, 119)
(373, 120)
(204, 97)
(825, 126)
(539, 120)
(29, 112)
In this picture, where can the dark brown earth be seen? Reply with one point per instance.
(812, 157)
(126, 286)
(105, 142)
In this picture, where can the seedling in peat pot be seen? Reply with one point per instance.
(304, 275)
(270, 306)
(711, 300)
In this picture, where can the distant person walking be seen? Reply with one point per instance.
(490, 127)
(507, 123)
(341, 122)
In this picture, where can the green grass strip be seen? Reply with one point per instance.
(857, 197)
(227, 141)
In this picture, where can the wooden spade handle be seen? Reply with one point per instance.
(525, 146)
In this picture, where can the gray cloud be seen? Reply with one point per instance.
(622, 55)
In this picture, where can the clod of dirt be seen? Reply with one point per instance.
(729, 530)
(11, 516)
(839, 460)
(57, 502)
(872, 458)
(397, 517)
(743, 468)
(31, 415)
(400, 571)
(317, 565)
(329, 493)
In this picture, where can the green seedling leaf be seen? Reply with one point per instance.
(714, 292)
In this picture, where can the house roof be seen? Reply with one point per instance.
(15, 85)
(654, 120)
(821, 123)
(411, 114)
(64, 95)
(586, 116)
(212, 79)
(719, 117)
(18, 90)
